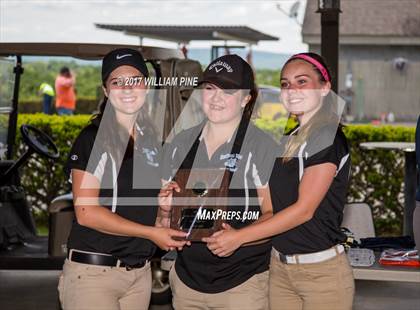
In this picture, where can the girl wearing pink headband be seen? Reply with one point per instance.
(311, 59)
(308, 268)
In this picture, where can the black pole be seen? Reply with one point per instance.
(410, 186)
(213, 53)
(11, 135)
(330, 41)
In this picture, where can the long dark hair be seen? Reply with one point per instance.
(248, 112)
(252, 104)
(114, 134)
(323, 117)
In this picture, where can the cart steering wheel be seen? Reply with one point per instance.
(39, 142)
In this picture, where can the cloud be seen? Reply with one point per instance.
(73, 21)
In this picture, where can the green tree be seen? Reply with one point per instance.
(88, 78)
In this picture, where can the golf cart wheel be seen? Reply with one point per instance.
(161, 290)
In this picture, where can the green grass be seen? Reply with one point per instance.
(42, 231)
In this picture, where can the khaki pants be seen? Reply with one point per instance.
(250, 295)
(85, 287)
(318, 286)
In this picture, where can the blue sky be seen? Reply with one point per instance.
(73, 21)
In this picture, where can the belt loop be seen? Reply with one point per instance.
(276, 253)
(70, 254)
(296, 258)
(281, 258)
(336, 250)
(118, 263)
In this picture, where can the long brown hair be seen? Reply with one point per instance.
(252, 104)
(323, 117)
(247, 114)
(114, 134)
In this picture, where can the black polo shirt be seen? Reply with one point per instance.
(323, 230)
(196, 266)
(121, 198)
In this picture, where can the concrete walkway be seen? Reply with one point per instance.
(32, 290)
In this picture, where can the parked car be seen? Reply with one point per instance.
(269, 103)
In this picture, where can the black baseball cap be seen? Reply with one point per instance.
(123, 57)
(229, 72)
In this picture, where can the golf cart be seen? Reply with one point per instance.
(20, 246)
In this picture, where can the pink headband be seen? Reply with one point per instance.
(316, 63)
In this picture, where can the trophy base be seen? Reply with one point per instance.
(195, 221)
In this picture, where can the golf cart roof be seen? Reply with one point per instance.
(91, 51)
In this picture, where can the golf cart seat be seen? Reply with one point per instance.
(61, 212)
(61, 203)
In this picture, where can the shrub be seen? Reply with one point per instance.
(44, 179)
(84, 105)
(377, 176)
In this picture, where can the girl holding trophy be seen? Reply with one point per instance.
(112, 240)
(308, 269)
(228, 142)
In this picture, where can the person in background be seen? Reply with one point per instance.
(65, 101)
(416, 215)
(47, 92)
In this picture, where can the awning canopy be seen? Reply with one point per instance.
(83, 50)
(185, 34)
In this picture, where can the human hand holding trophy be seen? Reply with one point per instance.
(202, 193)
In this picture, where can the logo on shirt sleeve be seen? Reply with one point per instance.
(74, 157)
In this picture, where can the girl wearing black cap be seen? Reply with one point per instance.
(226, 141)
(308, 269)
(112, 238)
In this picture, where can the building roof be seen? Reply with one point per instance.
(185, 34)
(387, 21)
(83, 50)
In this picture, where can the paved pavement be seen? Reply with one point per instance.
(33, 290)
